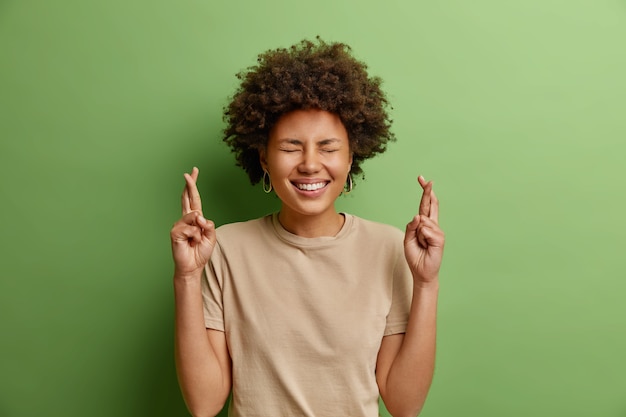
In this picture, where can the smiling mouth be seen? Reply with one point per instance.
(311, 187)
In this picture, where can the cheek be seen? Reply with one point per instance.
(341, 168)
(276, 162)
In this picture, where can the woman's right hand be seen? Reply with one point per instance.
(193, 236)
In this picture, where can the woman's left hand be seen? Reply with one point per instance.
(424, 240)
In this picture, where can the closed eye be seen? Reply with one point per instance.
(290, 145)
(329, 145)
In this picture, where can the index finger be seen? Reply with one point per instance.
(191, 195)
(426, 196)
(434, 207)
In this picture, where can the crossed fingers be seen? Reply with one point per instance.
(191, 196)
(429, 204)
(193, 236)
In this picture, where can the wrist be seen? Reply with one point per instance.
(422, 284)
(187, 276)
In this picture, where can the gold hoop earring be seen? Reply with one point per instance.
(348, 184)
(267, 180)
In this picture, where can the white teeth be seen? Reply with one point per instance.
(311, 187)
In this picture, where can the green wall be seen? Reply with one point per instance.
(517, 110)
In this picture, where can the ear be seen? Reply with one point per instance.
(350, 160)
(263, 158)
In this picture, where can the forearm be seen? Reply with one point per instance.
(412, 370)
(204, 380)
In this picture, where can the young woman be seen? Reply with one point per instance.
(306, 312)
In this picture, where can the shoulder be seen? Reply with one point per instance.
(378, 242)
(244, 230)
(378, 235)
(377, 230)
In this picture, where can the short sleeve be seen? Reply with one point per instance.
(401, 297)
(212, 285)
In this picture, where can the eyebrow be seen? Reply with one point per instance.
(299, 142)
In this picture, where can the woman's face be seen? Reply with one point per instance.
(308, 158)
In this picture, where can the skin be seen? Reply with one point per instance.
(406, 362)
(202, 360)
(306, 147)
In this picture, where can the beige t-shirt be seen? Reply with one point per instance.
(304, 317)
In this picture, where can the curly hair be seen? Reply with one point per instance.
(307, 75)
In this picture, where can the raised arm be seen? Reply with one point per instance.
(202, 360)
(406, 362)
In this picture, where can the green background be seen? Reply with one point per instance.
(516, 109)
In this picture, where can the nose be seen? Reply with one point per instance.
(310, 162)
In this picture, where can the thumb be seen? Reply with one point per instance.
(208, 227)
(411, 229)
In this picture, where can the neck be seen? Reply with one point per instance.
(327, 224)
